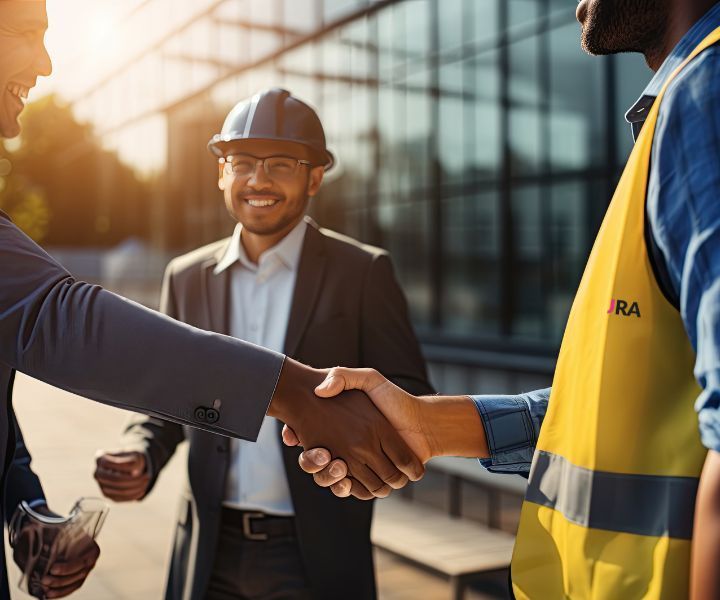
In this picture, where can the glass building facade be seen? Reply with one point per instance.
(476, 142)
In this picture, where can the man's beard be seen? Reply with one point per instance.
(614, 26)
(282, 224)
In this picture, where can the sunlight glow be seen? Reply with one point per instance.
(82, 40)
(101, 39)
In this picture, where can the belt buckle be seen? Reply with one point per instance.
(247, 527)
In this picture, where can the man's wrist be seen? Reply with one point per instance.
(278, 403)
(427, 414)
(452, 426)
(295, 379)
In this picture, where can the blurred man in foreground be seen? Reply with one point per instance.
(252, 524)
(624, 493)
(86, 340)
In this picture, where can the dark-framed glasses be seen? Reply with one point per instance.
(275, 167)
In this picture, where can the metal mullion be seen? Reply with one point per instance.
(469, 79)
(612, 115)
(400, 91)
(507, 260)
(437, 246)
(546, 267)
(372, 226)
(248, 25)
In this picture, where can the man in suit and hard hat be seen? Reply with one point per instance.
(252, 524)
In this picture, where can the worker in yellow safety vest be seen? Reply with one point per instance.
(623, 499)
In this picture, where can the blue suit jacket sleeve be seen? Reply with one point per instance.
(86, 340)
(22, 483)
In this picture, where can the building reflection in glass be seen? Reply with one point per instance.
(476, 141)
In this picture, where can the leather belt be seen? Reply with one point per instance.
(258, 526)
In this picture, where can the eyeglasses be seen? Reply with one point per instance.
(280, 168)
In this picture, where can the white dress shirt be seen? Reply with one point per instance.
(260, 301)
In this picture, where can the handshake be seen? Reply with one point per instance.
(363, 436)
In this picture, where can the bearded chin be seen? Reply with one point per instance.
(596, 43)
(615, 26)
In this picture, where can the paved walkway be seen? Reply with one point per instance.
(64, 432)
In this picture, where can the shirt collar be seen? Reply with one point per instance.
(287, 250)
(638, 113)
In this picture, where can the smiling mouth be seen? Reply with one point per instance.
(19, 91)
(261, 202)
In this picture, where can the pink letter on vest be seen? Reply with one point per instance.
(612, 306)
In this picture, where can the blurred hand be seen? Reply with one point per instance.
(122, 476)
(402, 410)
(53, 575)
(350, 427)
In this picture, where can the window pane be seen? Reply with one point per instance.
(471, 231)
(450, 24)
(528, 299)
(405, 233)
(578, 103)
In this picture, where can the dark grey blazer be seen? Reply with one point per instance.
(86, 340)
(347, 310)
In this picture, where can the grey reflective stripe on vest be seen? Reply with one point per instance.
(639, 504)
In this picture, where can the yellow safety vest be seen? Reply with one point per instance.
(609, 510)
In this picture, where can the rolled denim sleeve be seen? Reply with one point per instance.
(512, 425)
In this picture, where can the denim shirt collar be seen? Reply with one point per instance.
(638, 113)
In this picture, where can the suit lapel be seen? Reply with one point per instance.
(216, 293)
(310, 275)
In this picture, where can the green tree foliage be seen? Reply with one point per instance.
(63, 188)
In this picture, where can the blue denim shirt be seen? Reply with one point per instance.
(683, 208)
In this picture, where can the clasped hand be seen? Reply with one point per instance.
(397, 424)
(376, 456)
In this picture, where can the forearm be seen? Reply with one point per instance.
(93, 343)
(22, 483)
(453, 426)
(705, 576)
(86, 340)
